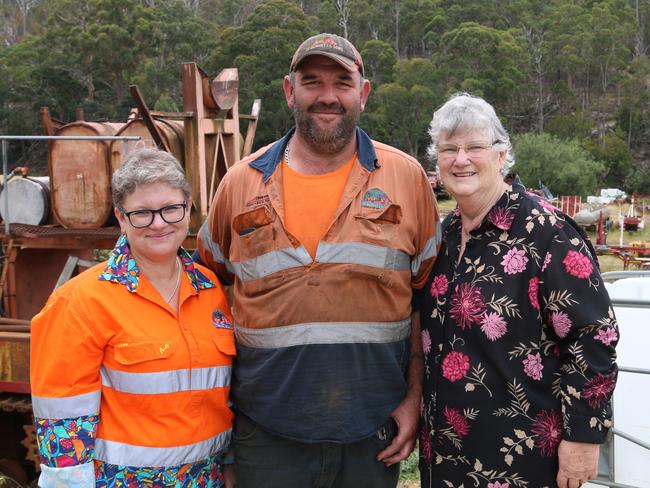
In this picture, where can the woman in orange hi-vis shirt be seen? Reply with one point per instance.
(131, 360)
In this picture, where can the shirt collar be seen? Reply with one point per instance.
(121, 268)
(501, 215)
(269, 160)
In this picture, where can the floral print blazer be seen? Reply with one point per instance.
(518, 336)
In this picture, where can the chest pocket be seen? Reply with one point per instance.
(253, 231)
(135, 352)
(224, 339)
(379, 225)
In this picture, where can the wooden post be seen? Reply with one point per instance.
(195, 157)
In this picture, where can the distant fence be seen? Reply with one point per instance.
(570, 204)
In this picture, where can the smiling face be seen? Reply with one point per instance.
(475, 170)
(159, 241)
(327, 101)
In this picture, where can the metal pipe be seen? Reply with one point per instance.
(617, 275)
(630, 438)
(627, 369)
(4, 183)
(611, 484)
(630, 303)
(69, 138)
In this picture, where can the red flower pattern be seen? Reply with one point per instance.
(439, 285)
(533, 289)
(501, 217)
(597, 389)
(467, 305)
(548, 428)
(578, 265)
(456, 421)
(455, 365)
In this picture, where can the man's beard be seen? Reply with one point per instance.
(326, 141)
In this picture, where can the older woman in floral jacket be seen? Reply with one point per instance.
(517, 328)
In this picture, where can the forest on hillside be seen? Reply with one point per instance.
(570, 78)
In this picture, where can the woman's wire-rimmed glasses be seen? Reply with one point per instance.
(472, 149)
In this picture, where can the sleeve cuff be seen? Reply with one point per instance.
(582, 428)
(80, 476)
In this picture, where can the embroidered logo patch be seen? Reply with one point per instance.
(375, 198)
(220, 320)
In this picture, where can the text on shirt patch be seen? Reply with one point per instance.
(258, 200)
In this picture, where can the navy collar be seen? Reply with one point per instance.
(269, 160)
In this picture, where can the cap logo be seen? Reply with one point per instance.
(327, 42)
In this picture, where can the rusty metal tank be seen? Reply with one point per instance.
(80, 175)
(171, 132)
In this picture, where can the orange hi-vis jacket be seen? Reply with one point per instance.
(323, 342)
(120, 378)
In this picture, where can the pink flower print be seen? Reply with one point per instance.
(533, 289)
(548, 427)
(533, 366)
(467, 305)
(456, 421)
(496, 484)
(578, 265)
(546, 205)
(426, 449)
(455, 365)
(493, 326)
(514, 261)
(607, 336)
(439, 285)
(561, 323)
(597, 389)
(426, 341)
(547, 260)
(500, 217)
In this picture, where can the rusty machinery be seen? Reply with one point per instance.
(205, 137)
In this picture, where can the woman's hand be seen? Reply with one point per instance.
(578, 463)
(229, 475)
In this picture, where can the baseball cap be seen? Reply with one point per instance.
(334, 47)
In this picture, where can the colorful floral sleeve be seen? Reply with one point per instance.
(577, 310)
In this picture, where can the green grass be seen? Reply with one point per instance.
(409, 467)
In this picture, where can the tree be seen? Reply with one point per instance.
(564, 166)
(485, 61)
(402, 110)
(378, 60)
(262, 49)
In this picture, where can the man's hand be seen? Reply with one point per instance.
(229, 475)
(407, 416)
(578, 463)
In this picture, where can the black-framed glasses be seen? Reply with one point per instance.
(144, 218)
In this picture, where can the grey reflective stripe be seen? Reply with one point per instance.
(166, 381)
(430, 250)
(140, 456)
(210, 245)
(271, 262)
(324, 333)
(364, 254)
(66, 407)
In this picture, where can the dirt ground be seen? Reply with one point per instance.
(408, 484)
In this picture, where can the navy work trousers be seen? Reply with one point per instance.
(266, 460)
